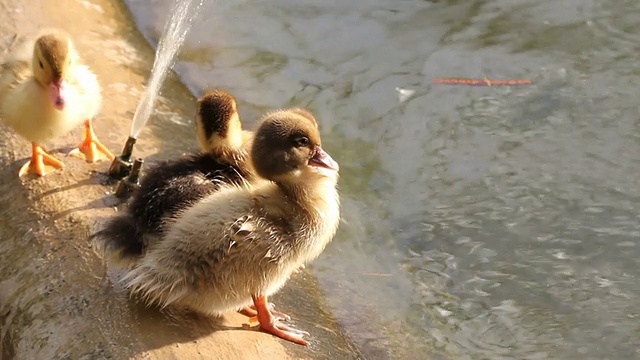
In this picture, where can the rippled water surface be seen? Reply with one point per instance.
(479, 222)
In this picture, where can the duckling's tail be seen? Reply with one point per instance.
(121, 239)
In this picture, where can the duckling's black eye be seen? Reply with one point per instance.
(41, 66)
(301, 141)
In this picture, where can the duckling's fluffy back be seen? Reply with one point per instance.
(174, 184)
(164, 191)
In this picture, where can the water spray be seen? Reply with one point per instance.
(175, 30)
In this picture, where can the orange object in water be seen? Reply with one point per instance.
(485, 81)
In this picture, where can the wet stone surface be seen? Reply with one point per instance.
(479, 222)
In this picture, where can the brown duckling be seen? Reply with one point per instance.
(174, 184)
(241, 243)
(45, 91)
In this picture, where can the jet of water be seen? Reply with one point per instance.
(180, 20)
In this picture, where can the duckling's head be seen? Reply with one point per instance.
(305, 113)
(53, 54)
(218, 124)
(287, 146)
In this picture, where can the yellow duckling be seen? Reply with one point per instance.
(45, 91)
(241, 243)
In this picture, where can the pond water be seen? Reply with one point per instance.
(480, 222)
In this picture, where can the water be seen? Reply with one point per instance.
(178, 23)
(480, 222)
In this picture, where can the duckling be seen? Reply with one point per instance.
(241, 243)
(173, 184)
(45, 91)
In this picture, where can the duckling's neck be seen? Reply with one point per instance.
(314, 194)
(237, 157)
(315, 206)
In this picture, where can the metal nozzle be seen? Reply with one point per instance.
(126, 186)
(121, 165)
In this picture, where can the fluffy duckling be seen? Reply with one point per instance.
(45, 91)
(174, 184)
(241, 243)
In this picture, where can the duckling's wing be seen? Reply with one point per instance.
(251, 236)
(12, 73)
(16, 66)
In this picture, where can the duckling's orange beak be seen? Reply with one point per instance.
(57, 93)
(322, 159)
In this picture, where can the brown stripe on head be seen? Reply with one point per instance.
(54, 48)
(216, 109)
(305, 114)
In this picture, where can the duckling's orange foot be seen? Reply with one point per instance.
(271, 324)
(248, 312)
(252, 314)
(90, 148)
(40, 163)
(285, 332)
